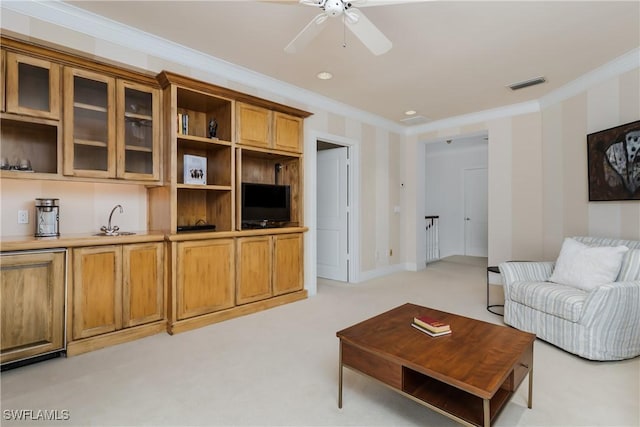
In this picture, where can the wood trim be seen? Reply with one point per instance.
(166, 78)
(13, 61)
(118, 337)
(241, 310)
(75, 59)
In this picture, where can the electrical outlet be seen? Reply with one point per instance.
(23, 217)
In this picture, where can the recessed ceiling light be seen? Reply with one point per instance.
(410, 112)
(324, 75)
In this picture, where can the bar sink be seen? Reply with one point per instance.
(116, 233)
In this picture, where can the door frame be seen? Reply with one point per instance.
(353, 197)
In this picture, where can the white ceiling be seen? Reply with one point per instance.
(448, 58)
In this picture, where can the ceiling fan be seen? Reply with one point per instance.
(353, 19)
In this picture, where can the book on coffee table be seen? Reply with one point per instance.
(428, 332)
(431, 324)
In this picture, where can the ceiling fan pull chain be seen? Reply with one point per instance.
(344, 31)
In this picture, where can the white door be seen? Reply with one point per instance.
(332, 214)
(476, 217)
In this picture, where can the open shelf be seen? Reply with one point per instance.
(218, 162)
(204, 206)
(201, 108)
(451, 399)
(262, 167)
(36, 140)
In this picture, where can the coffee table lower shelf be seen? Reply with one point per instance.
(452, 402)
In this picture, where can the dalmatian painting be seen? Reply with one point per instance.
(614, 163)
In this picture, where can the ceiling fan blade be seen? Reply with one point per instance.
(308, 33)
(369, 34)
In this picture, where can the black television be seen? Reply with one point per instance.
(264, 204)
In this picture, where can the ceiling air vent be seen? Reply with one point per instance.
(527, 83)
(414, 120)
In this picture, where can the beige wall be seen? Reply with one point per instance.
(537, 169)
(567, 210)
(85, 205)
(538, 188)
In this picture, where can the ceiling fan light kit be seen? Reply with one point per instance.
(353, 19)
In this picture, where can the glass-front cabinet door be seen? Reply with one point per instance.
(138, 131)
(32, 86)
(89, 124)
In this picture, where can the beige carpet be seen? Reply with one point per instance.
(279, 367)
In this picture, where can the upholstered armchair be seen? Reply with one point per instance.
(594, 320)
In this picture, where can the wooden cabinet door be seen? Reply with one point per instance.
(138, 132)
(33, 86)
(253, 279)
(97, 291)
(3, 74)
(32, 293)
(89, 124)
(254, 125)
(287, 132)
(205, 277)
(287, 263)
(142, 283)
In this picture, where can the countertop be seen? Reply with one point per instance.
(23, 243)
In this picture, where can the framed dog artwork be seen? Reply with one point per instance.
(614, 163)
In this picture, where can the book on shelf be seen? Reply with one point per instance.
(183, 124)
(428, 332)
(431, 324)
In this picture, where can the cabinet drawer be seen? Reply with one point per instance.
(375, 366)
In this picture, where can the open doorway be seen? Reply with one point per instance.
(456, 182)
(332, 213)
(336, 195)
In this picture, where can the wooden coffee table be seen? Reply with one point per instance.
(468, 376)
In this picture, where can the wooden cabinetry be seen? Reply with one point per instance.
(268, 167)
(33, 86)
(30, 129)
(116, 287)
(268, 266)
(108, 139)
(97, 291)
(138, 131)
(264, 128)
(254, 269)
(287, 132)
(32, 290)
(205, 277)
(287, 263)
(189, 109)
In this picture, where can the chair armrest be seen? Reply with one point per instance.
(615, 304)
(517, 271)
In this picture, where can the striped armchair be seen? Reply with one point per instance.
(602, 324)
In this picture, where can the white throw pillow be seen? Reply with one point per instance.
(586, 267)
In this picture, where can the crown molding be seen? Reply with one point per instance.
(620, 65)
(477, 117)
(76, 19)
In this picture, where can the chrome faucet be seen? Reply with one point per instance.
(108, 230)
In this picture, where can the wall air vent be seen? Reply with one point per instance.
(527, 83)
(415, 120)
